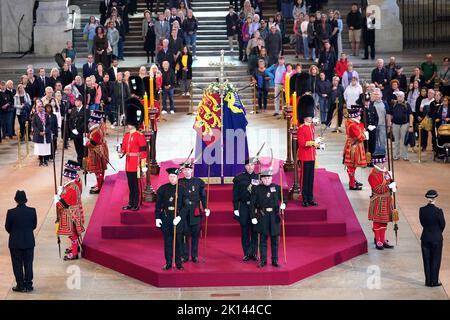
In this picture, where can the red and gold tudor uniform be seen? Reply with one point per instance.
(97, 151)
(354, 153)
(307, 149)
(381, 208)
(69, 209)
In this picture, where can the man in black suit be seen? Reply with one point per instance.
(72, 68)
(20, 224)
(113, 70)
(165, 54)
(433, 223)
(43, 82)
(89, 67)
(78, 127)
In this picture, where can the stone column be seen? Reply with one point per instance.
(389, 30)
(11, 13)
(50, 32)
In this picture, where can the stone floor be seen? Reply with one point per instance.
(400, 270)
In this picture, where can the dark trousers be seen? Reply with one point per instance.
(308, 180)
(424, 139)
(431, 254)
(273, 247)
(262, 98)
(193, 233)
(79, 148)
(249, 238)
(22, 263)
(168, 248)
(65, 133)
(372, 141)
(369, 41)
(21, 120)
(133, 186)
(241, 49)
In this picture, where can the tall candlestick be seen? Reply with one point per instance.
(287, 89)
(146, 111)
(152, 93)
(294, 109)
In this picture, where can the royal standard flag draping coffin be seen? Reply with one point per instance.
(208, 125)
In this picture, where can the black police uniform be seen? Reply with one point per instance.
(164, 210)
(195, 188)
(265, 207)
(242, 188)
(433, 223)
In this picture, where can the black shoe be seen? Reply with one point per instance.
(386, 245)
(313, 203)
(67, 258)
(379, 247)
(18, 289)
(127, 207)
(134, 208)
(94, 191)
(275, 264)
(359, 184)
(246, 258)
(194, 259)
(167, 267)
(436, 284)
(180, 267)
(305, 203)
(356, 188)
(262, 264)
(29, 289)
(46, 163)
(254, 257)
(184, 259)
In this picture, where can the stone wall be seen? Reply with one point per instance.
(389, 33)
(11, 12)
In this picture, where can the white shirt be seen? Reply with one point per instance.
(304, 28)
(351, 94)
(370, 24)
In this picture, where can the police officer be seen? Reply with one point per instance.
(265, 208)
(195, 188)
(433, 223)
(166, 218)
(242, 188)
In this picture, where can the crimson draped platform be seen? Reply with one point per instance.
(317, 237)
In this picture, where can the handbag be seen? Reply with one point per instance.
(85, 36)
(427, 123)
(410, 139)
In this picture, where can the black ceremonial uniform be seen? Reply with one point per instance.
(164, 210)
(433, 223)
(265, 207)
(242, 188)
(195, 188)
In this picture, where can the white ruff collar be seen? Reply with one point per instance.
(355, 120)
(379, 169)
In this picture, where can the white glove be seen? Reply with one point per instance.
(254, 221)
(322, 146)
(283, 206)
(318, 140)
(158, 223)
(75, 132)
(60, 190)
(393, 186)
(144, 169)
(56, 198)
(366, 134)
(316, 120)
(85, 141)
(371, 127)
(236, 213)
(207, 212)
(176, 220)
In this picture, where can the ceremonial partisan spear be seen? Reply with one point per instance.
(206, 220)
(391, 168)
(85, 135)
(56, 193)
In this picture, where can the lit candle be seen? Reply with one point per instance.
(146, 111)
(294, 109)
(287, 89)
(152, 93)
